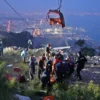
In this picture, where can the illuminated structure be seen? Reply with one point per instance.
(9, 26)
(36, 32)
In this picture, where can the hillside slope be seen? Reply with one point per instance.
(12, 39)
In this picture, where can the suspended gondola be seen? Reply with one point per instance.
(59, 20)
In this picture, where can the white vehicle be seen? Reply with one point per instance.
(61, 48)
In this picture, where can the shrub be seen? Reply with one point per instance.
(80, 42)
(88, 51)
(90, 91)
(5, 92)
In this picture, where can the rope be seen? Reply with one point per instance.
(59, 3)
(16, 12)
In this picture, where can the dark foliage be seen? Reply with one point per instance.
(15, 39)
(80, 42)
(88, 51)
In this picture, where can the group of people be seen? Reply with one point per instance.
(51, 64)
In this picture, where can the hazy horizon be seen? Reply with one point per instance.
(44, 5)
(90, 23)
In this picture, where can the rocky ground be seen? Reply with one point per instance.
(91, 72)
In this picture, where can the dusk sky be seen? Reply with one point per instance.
(45, 5)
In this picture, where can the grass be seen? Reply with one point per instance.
(9, 88)
(5, 91)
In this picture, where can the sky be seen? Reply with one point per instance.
(45, 5)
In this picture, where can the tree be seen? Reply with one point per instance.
(88, 51)
(13, 39)
(80, 42)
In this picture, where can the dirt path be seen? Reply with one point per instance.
(91, 73)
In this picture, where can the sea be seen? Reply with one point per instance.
(90, 23)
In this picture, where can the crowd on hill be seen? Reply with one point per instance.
(53, 67)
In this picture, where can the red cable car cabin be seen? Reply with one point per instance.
(59, 20)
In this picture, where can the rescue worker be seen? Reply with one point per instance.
(24, 54)
(59, 55)
(45, 78)
(71, 65)
(55, 61)
(80, 64)
(32, 62)
(48, 51)
(43, 59)
(41, 67)
(30, 44)
(49, 65)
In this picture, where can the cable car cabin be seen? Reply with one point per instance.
(56, 20)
